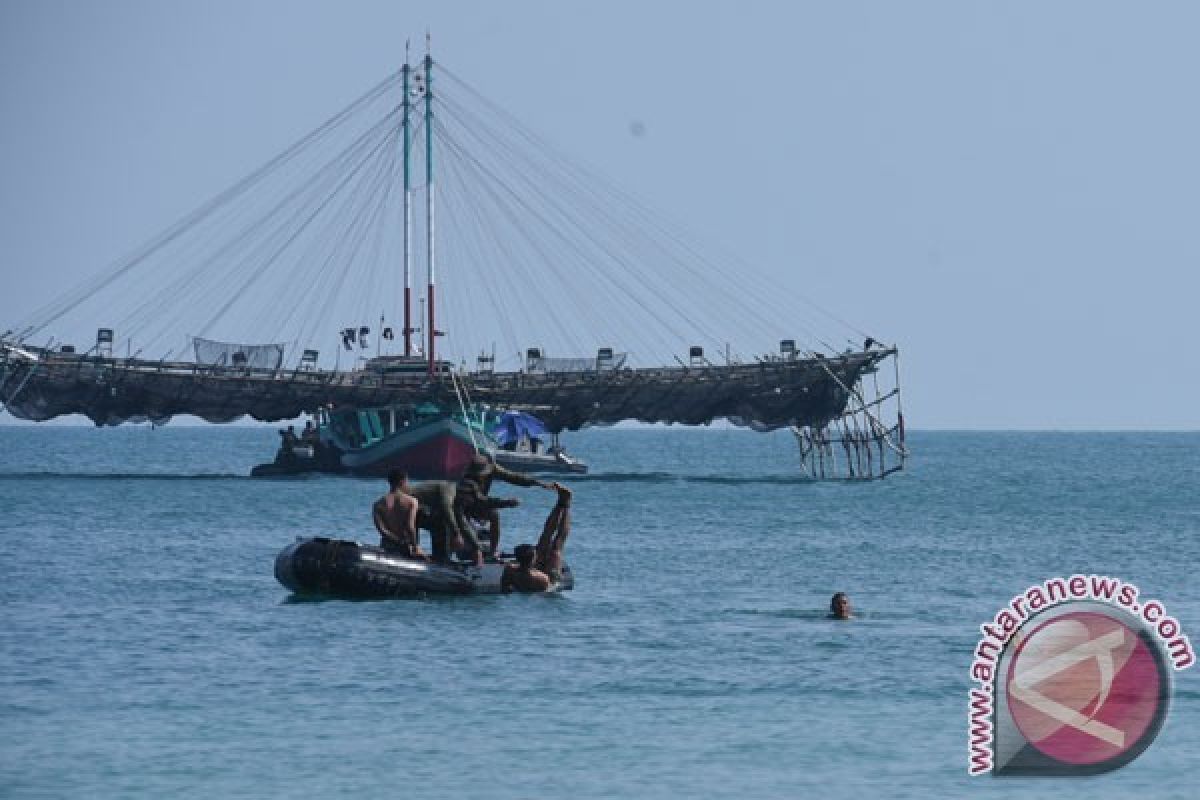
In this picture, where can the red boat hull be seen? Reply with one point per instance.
(436, 450)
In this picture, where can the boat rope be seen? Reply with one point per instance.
(62, 305)
(466, 416)
(538, 165)
(5, 375)
(565, 259)
(4, 404)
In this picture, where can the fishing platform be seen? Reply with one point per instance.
(539, 250)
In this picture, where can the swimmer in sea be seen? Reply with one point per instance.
(839, 606)
(539, 569)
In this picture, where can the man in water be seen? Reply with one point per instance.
(473, 489)
(395, 517)
(539, 569)
(839, 606)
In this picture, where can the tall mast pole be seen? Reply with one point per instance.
(408, 328)
(429, 196)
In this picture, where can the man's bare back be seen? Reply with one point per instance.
(395, 517)
(520, 579)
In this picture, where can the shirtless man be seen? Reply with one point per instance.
(395, 517)
(539, 569)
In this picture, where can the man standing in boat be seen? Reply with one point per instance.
(539, 568)
(472, 494)
(438, 514)
(395, 517)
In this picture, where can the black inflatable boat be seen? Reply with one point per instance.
(340, 568)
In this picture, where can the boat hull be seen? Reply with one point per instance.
(539, 463)
(435, 450)
(339, 568)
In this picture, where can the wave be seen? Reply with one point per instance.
(121, 476)
(624, 477)
(819, 614)
(670, 477)
(602, 477)
(731, 480)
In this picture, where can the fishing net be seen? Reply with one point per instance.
(227, 354)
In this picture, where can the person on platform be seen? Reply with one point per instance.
(839, 606)
(289, 439)
(310, 436)
(473, 494)
(395, 517)
(539, 568)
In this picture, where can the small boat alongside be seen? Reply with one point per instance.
(518, 446)
(554, 460)
(322, 566)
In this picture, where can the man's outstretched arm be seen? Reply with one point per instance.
(517, 478)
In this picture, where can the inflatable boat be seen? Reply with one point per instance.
(339, 568)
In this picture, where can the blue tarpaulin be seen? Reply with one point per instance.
(513, 425)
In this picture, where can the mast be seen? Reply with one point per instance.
(431, 326)
(407, 106)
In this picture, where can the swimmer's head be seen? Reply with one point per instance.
(397, 478)
(525, 553)
(839, 606)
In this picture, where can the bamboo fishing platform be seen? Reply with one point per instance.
(769, 394)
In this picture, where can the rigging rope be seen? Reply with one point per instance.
(57, 308)
(536, 250)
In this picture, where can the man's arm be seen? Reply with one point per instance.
(414, 538)
(379, 517)
(516, 478)
(453, 517)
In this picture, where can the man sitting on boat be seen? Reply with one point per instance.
(476, 483)
(539, 569)
(395, 517)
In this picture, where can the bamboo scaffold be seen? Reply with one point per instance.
(858, 444)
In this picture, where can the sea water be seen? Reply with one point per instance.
(146, 649)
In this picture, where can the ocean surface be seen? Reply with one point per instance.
(146, 649)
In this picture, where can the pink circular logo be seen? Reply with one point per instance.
(1087, 689)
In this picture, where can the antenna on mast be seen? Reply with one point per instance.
(431, 328)
(407, 113)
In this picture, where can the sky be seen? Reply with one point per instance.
(1007, 191)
